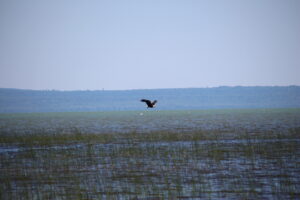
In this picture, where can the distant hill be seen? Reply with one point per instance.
(16, 100)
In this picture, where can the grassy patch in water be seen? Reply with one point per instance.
(162, 165)
(44, 139)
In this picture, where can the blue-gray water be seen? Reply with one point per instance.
(250, 120)
(16, 101)
(252, 154)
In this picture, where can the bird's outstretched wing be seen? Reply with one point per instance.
(154, 102)
(148, 102)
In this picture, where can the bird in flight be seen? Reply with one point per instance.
(149, 103)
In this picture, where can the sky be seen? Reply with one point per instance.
(146, 44)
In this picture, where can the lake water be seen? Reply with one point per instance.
(249, 120)
(252, 154)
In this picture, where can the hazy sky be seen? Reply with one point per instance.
(126, 44)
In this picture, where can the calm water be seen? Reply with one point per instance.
(224, 167)
(147, 121)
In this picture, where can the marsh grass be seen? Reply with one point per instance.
(45, 139)
(158, 165)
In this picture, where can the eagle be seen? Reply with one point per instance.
(149, 103)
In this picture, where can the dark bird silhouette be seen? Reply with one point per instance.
(149, 103)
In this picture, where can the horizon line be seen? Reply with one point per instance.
(115, 90)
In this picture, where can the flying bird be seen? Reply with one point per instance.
(149, 103)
